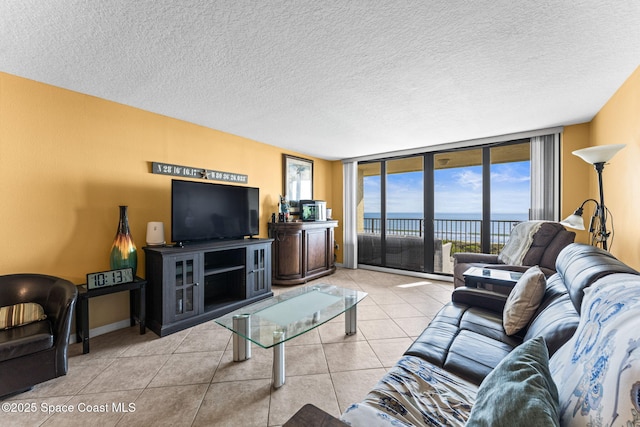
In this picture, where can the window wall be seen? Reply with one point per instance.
(415, 212)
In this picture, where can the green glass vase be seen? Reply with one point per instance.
(123, 250)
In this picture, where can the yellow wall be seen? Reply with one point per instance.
(575, 173)
(67, 160)
(616, 123)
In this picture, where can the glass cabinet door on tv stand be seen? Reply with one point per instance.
(258, 269)
(186, 277)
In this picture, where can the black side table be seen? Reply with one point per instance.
(137, 291)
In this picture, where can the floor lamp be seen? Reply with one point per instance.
(597, 156)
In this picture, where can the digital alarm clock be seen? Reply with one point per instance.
(109, 278)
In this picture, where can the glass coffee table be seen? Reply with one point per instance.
(272, 322)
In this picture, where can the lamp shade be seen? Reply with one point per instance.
(573, 221)
(598, 154)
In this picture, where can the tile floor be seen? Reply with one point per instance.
(189, 379)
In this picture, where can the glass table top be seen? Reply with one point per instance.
(290, 314)
(493, 273)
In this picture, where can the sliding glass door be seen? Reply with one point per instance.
(510, 191)
(414, 212)
(480, 195)
(457, 203)
(390, 213)
(369, 213)
(404, 209)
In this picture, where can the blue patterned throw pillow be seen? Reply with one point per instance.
(598, 370)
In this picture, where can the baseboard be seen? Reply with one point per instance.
(105, 329)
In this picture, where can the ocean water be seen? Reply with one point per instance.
(459, 216)
(447, 226)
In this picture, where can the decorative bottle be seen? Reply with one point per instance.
(123, 251)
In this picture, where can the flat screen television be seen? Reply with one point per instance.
(207, 211)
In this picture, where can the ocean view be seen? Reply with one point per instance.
(447, 226)
(457, 216)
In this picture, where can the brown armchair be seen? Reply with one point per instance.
(36, 352)
(547, 243)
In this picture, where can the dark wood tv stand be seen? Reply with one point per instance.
(196, 283)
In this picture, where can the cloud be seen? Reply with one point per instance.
(468, 178)
(508, 173)
(499, 174)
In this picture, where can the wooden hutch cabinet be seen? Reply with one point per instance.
(302, 251)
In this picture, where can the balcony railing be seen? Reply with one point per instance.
(464, 234)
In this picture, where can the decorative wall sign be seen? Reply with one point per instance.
(190, 172)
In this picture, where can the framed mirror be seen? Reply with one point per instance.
(297, 179)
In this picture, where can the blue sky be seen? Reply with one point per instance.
(457, 190)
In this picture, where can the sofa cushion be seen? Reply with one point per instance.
(434, 342)
(545, 234)
(550, 254)
(467, 341)
(414, 392)
(519, 391)
(27, 339)
(523, 300)
(550, 239)
(598, 371)
(488, 324)
(581, 265)
(556, 319)
(20, 314)
(473, 356)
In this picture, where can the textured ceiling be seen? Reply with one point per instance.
(334, 79)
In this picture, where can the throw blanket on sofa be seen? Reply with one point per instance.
(519, 242)
(414, 393)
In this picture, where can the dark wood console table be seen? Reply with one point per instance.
(136, 292)
(302, 251)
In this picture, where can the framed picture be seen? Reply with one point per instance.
(297, 176)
